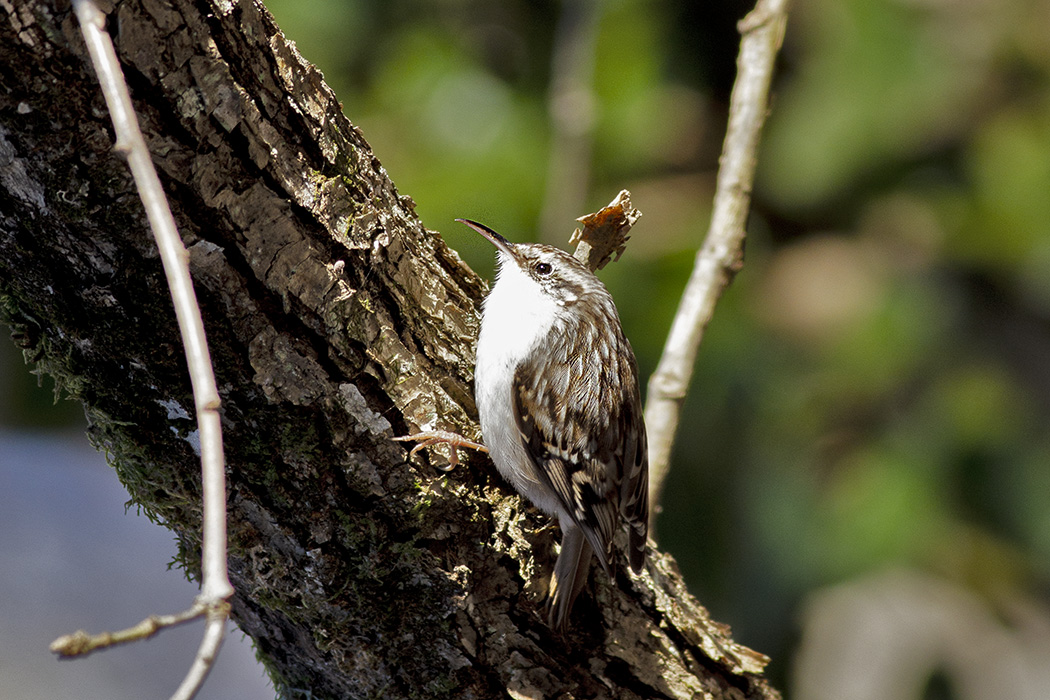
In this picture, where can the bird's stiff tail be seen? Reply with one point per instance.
(570, 574)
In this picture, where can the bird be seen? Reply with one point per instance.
(556, 386)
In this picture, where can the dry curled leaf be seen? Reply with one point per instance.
(604, 232)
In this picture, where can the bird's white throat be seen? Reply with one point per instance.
(518, 315)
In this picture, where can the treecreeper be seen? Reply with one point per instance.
(556, 385)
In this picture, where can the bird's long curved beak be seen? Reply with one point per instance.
(501, 243)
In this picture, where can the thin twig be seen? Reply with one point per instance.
(215, 586)
(722, 253)
(204, 660)
(80, 643)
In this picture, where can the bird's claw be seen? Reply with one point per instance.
(428, 438)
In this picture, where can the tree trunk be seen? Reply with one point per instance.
(336, 321)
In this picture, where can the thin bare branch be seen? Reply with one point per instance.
(216, 587)
(204, 660)
(722, 253)
(80, 643)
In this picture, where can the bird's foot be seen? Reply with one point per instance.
(428, 438)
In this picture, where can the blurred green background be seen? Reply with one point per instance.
(870, 404)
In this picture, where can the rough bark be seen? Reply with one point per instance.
(336, 321)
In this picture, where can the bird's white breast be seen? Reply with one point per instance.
(517, 316)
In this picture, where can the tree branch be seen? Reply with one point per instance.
(216, 587)
(80, 643)
(722, 254)
(335, 321)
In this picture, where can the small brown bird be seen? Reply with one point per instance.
(556, 385)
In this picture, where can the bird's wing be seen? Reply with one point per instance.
(579, 415)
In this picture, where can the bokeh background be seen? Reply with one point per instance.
(861, 484)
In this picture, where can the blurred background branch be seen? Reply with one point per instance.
(571, 105)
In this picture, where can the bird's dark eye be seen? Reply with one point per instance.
(542, 268)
